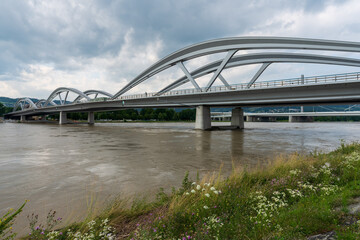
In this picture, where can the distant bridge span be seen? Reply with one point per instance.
(329, 89)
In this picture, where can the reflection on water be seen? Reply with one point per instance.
(59, 167)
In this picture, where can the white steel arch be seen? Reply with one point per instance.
(24, 103)
(231, 46)
(41, 103)
(60, 90)
(96, 92)
(266, 59)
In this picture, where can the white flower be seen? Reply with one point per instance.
(206, 207)
(216, 192)
(193, 183)
(203, 189)
(212, 189)
(198, 187)
(187, 193)
(327, 164)
(207, 195)
(193, 191)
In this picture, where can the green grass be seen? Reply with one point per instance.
(295, 197)
(292, 198)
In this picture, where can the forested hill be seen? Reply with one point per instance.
(9, 102)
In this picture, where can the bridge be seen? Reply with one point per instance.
(328, 89)
(293, 116)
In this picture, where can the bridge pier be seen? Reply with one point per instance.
(301, 119)
(22, 118)
(203, 118)
(91, 118)
(62, 118)
(237, 118)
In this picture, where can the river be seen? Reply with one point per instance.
(65, 167)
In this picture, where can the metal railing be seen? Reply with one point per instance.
(315, 80)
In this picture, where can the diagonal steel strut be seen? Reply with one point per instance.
(220, 68)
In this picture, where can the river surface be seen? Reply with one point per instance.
(67, 167)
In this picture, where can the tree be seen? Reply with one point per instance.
(4, 109)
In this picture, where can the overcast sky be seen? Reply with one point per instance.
(104, 44)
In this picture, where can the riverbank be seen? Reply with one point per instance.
(295, 197)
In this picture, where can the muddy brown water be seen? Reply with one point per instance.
(66, 167)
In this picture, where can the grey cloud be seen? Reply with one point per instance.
(70, 34)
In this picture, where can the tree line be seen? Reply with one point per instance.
(145, 114)
(4, 109)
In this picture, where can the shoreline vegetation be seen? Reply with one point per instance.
(314, 196)
(167, 115)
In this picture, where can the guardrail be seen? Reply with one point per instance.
(345, 77)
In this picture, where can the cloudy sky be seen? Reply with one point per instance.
(89, 44)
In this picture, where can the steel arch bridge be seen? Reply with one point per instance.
(58, 99)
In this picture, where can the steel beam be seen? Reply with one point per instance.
(220, 68)
(258, 73)
(188, 75)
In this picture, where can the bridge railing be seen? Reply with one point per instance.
(345, 77)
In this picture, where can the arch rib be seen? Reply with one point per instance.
(89, 92)
(20, 101)
(239, 43)
(60, 90)
(257, 58)
(41, 102)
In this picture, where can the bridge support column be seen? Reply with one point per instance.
(301, 119)
(203, 118)
(237, 118)
(22, 118)
(91, 118)
(62, 118)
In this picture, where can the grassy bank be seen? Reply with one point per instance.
(293, 198)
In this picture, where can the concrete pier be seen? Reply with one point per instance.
(301, 119)
(22, 118)
(237, 118)
(91, 118)
(203, 118)
(62, 118)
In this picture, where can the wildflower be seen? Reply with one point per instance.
(187, 193)
(198, 187)
(206, 207)
(193, 183)
(295, 172)
(212, 189)
(207, 195)
(327, 164)
(193, 191)
(216, 192)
